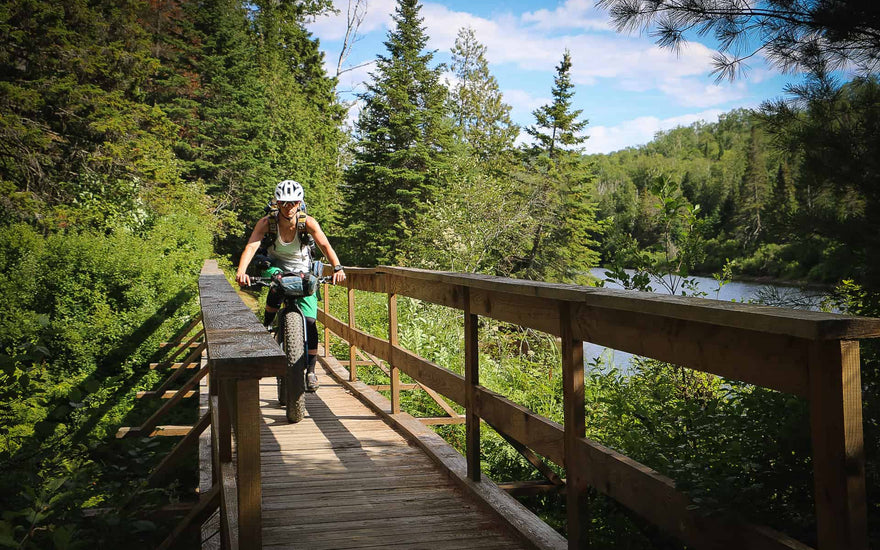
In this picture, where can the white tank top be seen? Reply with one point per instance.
(292, 256)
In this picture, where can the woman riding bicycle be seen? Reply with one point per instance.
(289, 253)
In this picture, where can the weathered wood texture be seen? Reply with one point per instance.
(238, 345)
(342, 478)
(811, 354)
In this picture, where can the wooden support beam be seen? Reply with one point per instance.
(155, 366)
(441, 420)
(153, 420)
(472, 380)
(176, 344)
(532, 458)
(167, 430)
(195, 354)
(576, 498)
(838, 445)
(184, 446)
(164, 395)
(352, 350)
(197, 515)
(179, 351)
(394, 372)
(248, 474)
(401, 387)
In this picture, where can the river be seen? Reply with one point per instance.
(739, 291)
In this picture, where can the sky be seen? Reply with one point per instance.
(627, 86)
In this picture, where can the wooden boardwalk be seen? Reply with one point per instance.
(343, 478)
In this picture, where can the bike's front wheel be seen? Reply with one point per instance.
(295, 380)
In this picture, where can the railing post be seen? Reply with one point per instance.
(247, 438)
(838, 445)
(577, 504)
(472, 379)
(352, 349)
(392, 342)
(326, 312)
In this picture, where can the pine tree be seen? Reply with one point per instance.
(304, 135)
(753, 189)
(557, 125)
(480, 114)
(404, 136)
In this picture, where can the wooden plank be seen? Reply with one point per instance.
(535, 432)
(442, 420)
(247, 438)
(177, 344)
(472, 380)
(768, 360)
(576, 498)
(153, 420)
(168, 430)
(184, 446)
(654, 497)
(238, 344)
(505, 508)
(193, 356)
(154, 366)
(230, 527)
(401, 387)
(164, 395)
(193, 342)
(838, 445)
(798, 323)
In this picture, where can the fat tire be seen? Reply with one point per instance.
(295, 379)
(281, 386)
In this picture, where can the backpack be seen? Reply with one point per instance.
(272, 212)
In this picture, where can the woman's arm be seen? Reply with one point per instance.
(314, 229)
(249, 250)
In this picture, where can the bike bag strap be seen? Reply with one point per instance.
(299, 284)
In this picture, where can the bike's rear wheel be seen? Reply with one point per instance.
(294, 385)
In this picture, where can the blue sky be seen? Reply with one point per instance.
(627, 87)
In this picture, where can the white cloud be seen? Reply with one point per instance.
(573, 14)
(639, 131)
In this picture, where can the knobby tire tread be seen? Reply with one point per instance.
(295, 349)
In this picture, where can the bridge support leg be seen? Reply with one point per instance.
(577, 501)
(472, 379)
(838, 445)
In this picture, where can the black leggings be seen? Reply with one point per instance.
(312, 334)
(274, 300)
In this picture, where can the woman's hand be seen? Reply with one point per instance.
(243, 279)
(338, 276)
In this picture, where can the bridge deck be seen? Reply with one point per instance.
(342, 478)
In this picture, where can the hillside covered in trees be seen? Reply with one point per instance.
(138, 138)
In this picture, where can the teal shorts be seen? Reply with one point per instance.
(308, 305)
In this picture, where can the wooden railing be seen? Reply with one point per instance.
(240, 352)
(809, 354)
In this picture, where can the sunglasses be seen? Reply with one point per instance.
(285, 204)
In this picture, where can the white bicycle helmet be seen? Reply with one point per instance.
(289, 190)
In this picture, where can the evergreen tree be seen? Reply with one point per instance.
(304, 135)
(557, 125)
(404, 137)
(478, 109)
(753, 190)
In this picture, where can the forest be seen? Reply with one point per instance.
(141, 137)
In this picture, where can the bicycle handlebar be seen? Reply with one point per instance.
(260, 282)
